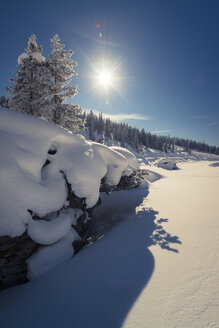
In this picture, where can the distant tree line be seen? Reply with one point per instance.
(102, 129)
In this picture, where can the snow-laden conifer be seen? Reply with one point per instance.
(62, 69)
(29, 94)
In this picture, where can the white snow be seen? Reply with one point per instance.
(157, 268)
(47, 258)
(27, 184)
(48, 232)
(138, 274)
(166, 163)
(214, 164)
(22, 57)
(37, 56)
(184, 287)
(116, 163)
(150, 156)
(130, 157)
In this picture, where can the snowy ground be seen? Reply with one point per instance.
(184, 287)
(157, 268)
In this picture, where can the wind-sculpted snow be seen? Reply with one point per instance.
(131, 158)
(36, 160)
(48, 257)
(48, 232)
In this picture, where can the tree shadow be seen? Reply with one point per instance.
(109, 216)
(100, 285)
(162, 238)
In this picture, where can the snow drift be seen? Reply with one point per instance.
(37, 159)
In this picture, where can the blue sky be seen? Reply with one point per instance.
(164, 54)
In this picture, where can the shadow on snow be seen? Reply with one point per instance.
(100, 285)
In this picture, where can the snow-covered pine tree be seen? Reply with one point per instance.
(91, 127)
(71, 117)
(62, 69)
(29, 94)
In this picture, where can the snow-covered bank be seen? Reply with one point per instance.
(47, 177)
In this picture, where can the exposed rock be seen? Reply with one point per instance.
(125, 183)
(78, 244)
(13, 255)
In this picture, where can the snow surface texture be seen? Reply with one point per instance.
(29, 186)
(125, 279)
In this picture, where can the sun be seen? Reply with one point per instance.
(105, 78)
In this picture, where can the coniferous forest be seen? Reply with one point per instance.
(127, 134)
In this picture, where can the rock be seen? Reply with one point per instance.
(125, 183)
(78, 245)
(13, 255)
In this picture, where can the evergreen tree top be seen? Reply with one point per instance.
(58, 49)
(33, 51)
(56, 45)
(32, 45)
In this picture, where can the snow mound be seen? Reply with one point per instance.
(37, 158)
(49, 257)
(130, 157)
(48, 232)
(166, 163)
(214, 164)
